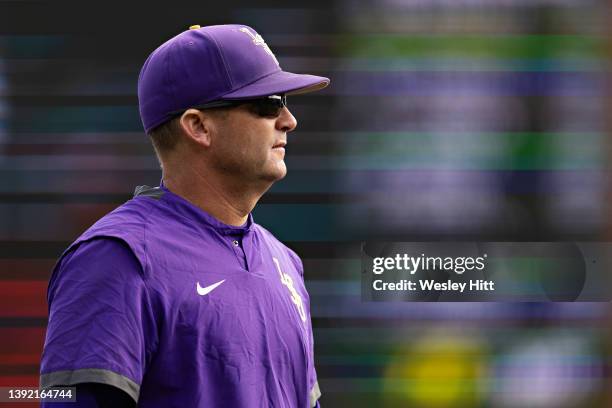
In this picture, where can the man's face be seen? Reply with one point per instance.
(249, 146)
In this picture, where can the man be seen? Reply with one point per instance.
(178, 298)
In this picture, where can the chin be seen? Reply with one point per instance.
(282, 170)
(276, 174)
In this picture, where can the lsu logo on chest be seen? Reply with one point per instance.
(295, 296)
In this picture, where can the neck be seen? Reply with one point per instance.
(226, 199)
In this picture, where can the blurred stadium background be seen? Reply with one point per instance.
(446, 119)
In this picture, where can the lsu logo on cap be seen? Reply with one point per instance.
(258, 40)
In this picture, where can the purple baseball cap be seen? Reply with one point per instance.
(205, 64)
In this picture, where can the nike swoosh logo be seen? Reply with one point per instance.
(205, 291)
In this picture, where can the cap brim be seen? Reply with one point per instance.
(280, 82)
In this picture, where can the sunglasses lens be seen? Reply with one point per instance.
(269, 107)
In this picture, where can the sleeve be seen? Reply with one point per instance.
(102, 325)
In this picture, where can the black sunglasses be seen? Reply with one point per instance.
(268, 106)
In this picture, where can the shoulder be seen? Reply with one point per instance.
(132, 215)
(100, 250)
(96, 263)
(123, 231)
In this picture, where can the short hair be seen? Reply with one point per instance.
(166, 136)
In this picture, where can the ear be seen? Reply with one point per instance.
(197, 126)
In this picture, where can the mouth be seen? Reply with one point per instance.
(280, 144)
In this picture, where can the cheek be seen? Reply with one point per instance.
(247, 149)
(253, 147)
(245, 152)
(246, 144)
(232, 144)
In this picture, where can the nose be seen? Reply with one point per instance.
(286, 122)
